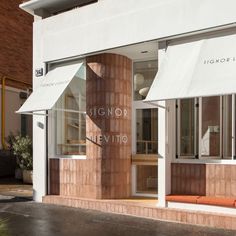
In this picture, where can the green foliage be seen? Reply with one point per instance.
(10, 139)
(22, 149)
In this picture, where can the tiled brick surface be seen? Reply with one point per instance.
(188, 179)
(109, 88)
(15, 41)
(148, 211)
(216, 180)
(221, 180)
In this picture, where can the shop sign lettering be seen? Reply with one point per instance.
(108, 112)
(121, 139)
(219, 60)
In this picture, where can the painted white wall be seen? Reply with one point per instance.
(39, 126)
(111, 23)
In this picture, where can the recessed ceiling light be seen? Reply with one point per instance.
(144, 51)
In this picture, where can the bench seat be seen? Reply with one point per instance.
(207, 200)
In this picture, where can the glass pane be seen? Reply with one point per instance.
(227, 128)
(146, 131)
(146, 181)
(144, 73)
(71, 118)
(187, 130)
(210, 139)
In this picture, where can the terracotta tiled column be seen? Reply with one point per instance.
(109, 123)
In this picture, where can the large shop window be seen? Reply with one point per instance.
(70, 118)
(60, 95)
(205, 128)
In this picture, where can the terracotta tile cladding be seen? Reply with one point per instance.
(213, 180)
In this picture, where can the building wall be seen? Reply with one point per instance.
(110, 23)
(216, 180)
(15, 42)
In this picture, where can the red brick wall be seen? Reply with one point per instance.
(15, 41)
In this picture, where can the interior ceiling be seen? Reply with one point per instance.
(142, 51)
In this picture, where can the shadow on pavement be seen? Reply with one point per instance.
(12, 199)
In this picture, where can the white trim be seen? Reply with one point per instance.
(205, 161)
(202, 207)
(221, 127)
(63, 157)
(178, 129)
(145, 195)
(199, 127)
(233, 126)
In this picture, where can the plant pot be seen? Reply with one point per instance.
(18, 173)
(27, 176)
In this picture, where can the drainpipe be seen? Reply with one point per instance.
(3, 98)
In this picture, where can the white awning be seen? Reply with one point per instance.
(196, 69)
(49, 91)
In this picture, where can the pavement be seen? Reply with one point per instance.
(13, 187)
(20, 216)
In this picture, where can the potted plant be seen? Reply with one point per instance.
(22, 149)
(10, 139)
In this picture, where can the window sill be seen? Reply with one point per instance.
(76, 157)
(204, 161)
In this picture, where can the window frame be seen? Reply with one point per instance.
(139, 105)
(51, 130)
(197, 152)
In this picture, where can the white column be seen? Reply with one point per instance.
(39, 123)
(164, 157)
(39, 158)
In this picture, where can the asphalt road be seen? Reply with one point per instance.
(26, 218)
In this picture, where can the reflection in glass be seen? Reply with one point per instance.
(210, 137)
(146, 131)
(71, 118)
(227, 127)
(187, 131)
(144, 73)
(146, 179)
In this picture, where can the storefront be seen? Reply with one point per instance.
(141, 110)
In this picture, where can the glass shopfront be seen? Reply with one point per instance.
(145, 126)
(205, 128)
(68, 119)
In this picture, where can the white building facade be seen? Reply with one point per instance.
(180, 145)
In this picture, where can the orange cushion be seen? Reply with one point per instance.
(227, 202)
(182, 198)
